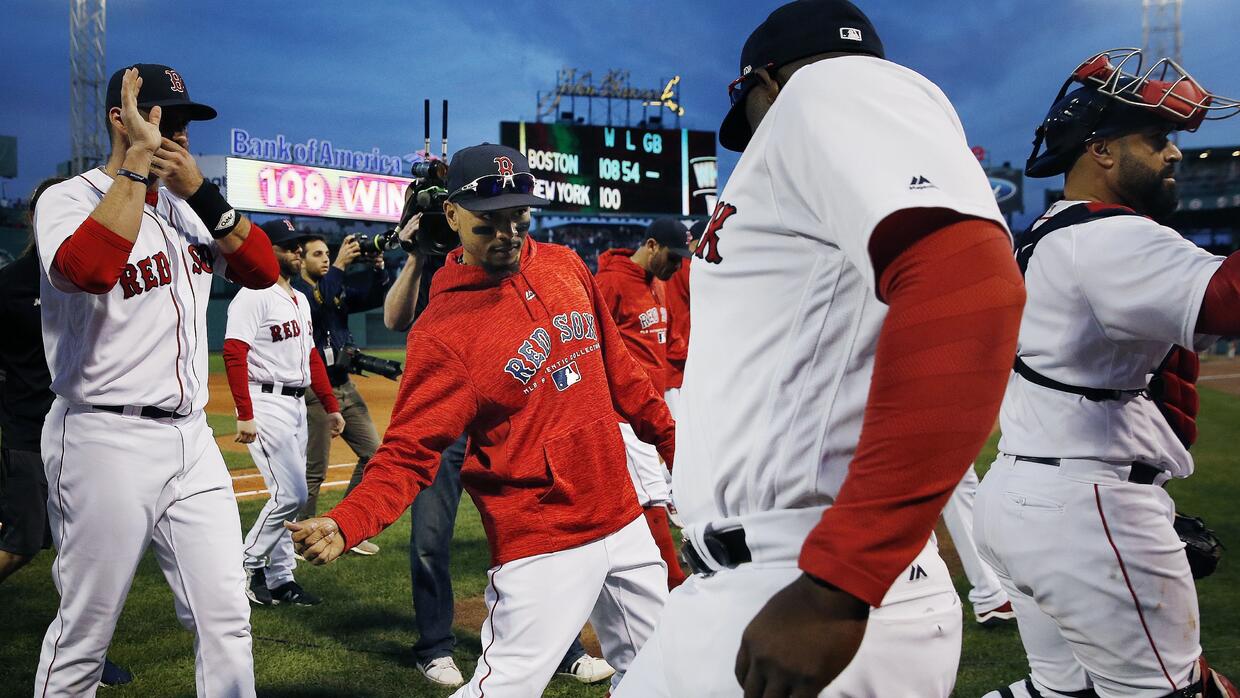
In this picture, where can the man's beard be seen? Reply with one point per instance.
(1146, 189)
(289, 270)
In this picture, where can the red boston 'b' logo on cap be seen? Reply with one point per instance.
(505, 165)
(177, 84)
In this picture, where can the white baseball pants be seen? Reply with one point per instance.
(910, 647)
(650, 477)
(985, 592)
(117, 484)
(280, 454)
(1103, 594)
(537, 605)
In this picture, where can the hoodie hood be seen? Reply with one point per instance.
(620, 261)
(456, 275)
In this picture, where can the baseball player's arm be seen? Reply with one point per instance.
(944, 354)
(942, 363)
(1143, 281)
(235, 354)
(247, 249)
(435, 403)
(633, 395)
(91, 255)
(1220, 308)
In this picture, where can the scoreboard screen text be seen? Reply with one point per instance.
(614, 169)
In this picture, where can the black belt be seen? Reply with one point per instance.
(285, 390)
(1140, 473)
(148, 412)
(727, 548)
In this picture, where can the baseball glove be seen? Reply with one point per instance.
(1202, 547)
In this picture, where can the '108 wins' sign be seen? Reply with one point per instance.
(274, 187)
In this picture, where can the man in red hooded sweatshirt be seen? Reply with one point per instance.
(632, 284)
(517, 350)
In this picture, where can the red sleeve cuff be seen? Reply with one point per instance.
(93, 258)
(253, 264)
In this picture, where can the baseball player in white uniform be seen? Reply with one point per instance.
(854, 303)
(271, 359)
(1072, 515)
(129, 457)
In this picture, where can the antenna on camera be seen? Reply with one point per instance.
(426, 123)
(445, 131)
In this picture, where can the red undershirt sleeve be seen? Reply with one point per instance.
(943, 359)
(93, 258)
(1220, 308)
(235, 353)
(320, 384)
(253, 265)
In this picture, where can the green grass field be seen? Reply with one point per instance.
(357, 642)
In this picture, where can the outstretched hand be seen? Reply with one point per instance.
(800, 641)
(142, 131)
(319, 540)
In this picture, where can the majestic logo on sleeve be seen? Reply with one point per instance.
(708, 248)
(505, 165)
(178, 85)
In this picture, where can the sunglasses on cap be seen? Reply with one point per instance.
(488, 186)
(736, 88)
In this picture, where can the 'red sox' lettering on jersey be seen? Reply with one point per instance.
(285, 330)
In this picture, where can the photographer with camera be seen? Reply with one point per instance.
(332, 300)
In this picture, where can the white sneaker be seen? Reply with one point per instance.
(441, 670)
(365, 548)
(589, 669)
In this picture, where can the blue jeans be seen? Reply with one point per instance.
(434, 517)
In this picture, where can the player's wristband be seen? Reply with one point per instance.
(130, 174)
(213, 209)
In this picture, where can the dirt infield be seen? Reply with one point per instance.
(379, 393)
(1221, 373)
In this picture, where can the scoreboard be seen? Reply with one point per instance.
(614, 169)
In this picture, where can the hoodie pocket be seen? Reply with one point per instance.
(577, 461)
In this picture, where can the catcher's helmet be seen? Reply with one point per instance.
(1113, 102)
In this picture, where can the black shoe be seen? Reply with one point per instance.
(291, 592)
(114, 675)
(256, 588)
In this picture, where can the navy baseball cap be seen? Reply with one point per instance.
(670, 233)
(161, 87)
(491, 177)
(697, 229)
(794, 31)
(282, 232)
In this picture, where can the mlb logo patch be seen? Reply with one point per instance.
(567, 376)
(850, 34)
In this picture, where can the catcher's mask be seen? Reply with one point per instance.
(1117, 97)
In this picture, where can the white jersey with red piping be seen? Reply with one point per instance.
(144, 342)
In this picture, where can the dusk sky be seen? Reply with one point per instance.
(356, 73)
